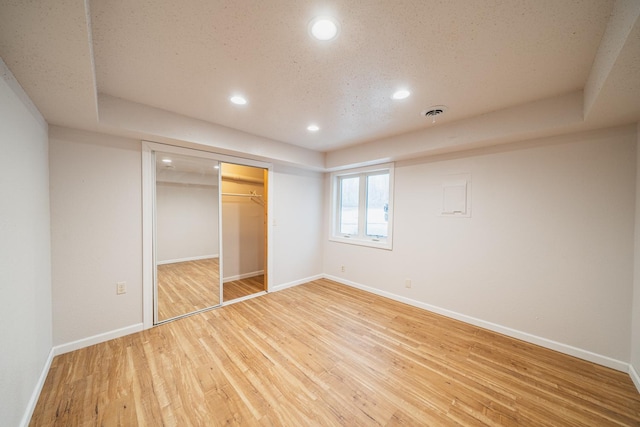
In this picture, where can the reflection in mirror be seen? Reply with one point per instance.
(244, 215)
(186, 235)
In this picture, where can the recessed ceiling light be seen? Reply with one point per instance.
(216, 167)
(238, 100)
(323, 28)
(401, 94)
(167, 161)
(313, 128)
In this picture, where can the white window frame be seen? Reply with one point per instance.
(361, 238)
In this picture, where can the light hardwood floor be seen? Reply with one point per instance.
(326, 354)
(243, 287)
(185, 287)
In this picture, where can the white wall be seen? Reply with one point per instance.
(548, 250)
(296, 225)
(635, 326)
(187, 221)
(96, 230)
(25, 272)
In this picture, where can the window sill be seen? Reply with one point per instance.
(386, 245)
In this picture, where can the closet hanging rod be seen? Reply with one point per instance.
(241, 195)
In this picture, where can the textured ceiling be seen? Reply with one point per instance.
(188, 57)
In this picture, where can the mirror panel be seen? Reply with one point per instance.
(187, 242)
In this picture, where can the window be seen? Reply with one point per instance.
(362, 206)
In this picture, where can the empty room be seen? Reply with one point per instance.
(296, 213)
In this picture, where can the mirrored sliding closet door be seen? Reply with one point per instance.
(187, 235)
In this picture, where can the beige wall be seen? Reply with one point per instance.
(547, 254)
(635, 327)
(25, 257)
(96, 225)
(296, 224)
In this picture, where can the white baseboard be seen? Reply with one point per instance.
(96, 339)
(242, 276)
(295, 283)
(193, 258)
(524, 336)
(634, 377)
(35, 395)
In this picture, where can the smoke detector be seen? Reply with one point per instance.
(434, 111)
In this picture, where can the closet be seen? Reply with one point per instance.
(243, 233)
(206, 235)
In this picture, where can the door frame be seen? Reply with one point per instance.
(148, 213)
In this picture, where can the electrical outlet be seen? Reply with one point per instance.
(343, 269)
(121, 288)
(407, 283)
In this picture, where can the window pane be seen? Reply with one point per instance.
(349, 191)
(377, 205)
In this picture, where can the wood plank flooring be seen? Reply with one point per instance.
(243, 287)
(185, 287)
(326, 354)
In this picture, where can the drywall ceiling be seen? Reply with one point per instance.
(85, 63)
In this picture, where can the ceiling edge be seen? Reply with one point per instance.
(158, 125)
(532, 120)
(624, 16)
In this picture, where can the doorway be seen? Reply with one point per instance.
(244, 218)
